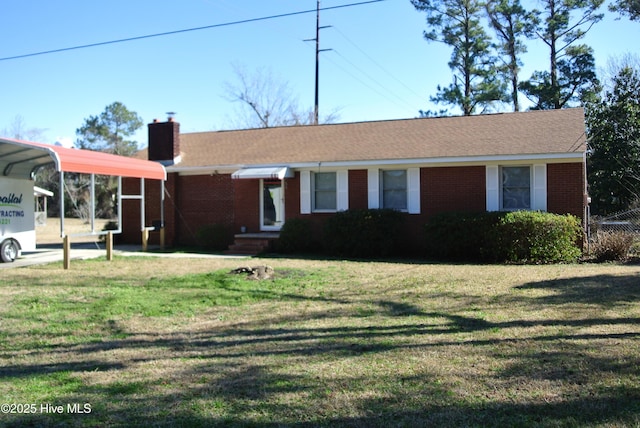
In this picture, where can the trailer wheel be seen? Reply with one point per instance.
(8, 251)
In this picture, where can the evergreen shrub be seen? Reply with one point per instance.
(538, 237)
(363, 233)
(516, 237)
(296, 236)
(456, 236)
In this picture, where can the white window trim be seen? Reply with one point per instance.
(373, 188)
(342, 191)
(538, 185)
(306, 192)
(493, 187)
(413, 189)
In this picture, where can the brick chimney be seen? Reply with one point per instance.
(164, 141)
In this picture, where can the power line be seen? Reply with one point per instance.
(405, 103)
(186, 30)
(359, 80)
(387, 72)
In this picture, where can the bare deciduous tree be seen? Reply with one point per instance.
(19, 130)
(266, 101)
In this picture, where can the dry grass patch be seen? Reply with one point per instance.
(50, 232)
(326, 343)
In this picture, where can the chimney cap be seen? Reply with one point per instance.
(171, 115)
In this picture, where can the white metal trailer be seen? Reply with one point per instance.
(17, 218)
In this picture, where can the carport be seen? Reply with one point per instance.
(22, 159)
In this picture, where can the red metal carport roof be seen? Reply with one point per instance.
(20, 159)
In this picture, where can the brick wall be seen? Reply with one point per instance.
(442, 189)
(196, 201)
(246, 205)
(190, 203)
(453, 189)
(565, 189)
(292, 197)
(358, 190)
(202, 200)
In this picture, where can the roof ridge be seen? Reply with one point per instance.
(367, 122)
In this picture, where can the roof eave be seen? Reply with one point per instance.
(460, 160)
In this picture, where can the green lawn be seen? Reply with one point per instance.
(180, 342)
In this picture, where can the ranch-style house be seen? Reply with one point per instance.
(253, 181)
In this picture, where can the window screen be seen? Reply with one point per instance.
(394, 189)
(516, 188)
(324, 191)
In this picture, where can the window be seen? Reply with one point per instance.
(395, 189)
(516, 188)
(324, 191)
(393, 185)
(522, 187)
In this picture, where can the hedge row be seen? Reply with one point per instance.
(516, 237)
(363, 233)
(519, 237)
(352, 233)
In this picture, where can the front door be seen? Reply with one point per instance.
(271, 204)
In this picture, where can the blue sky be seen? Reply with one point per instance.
(380, 67)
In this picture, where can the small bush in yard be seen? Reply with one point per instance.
(537, 237)
(363, 233)
(296, 236)
(519, 237)
(611, 246)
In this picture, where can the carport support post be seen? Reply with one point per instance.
(145, 232)
(92, 206)
(145, 240)
(66, 250)
(109, 245)
(161, 214)
(61, 205)
(66, 241)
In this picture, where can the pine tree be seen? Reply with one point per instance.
(613, 156)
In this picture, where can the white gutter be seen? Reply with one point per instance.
(466, 160)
